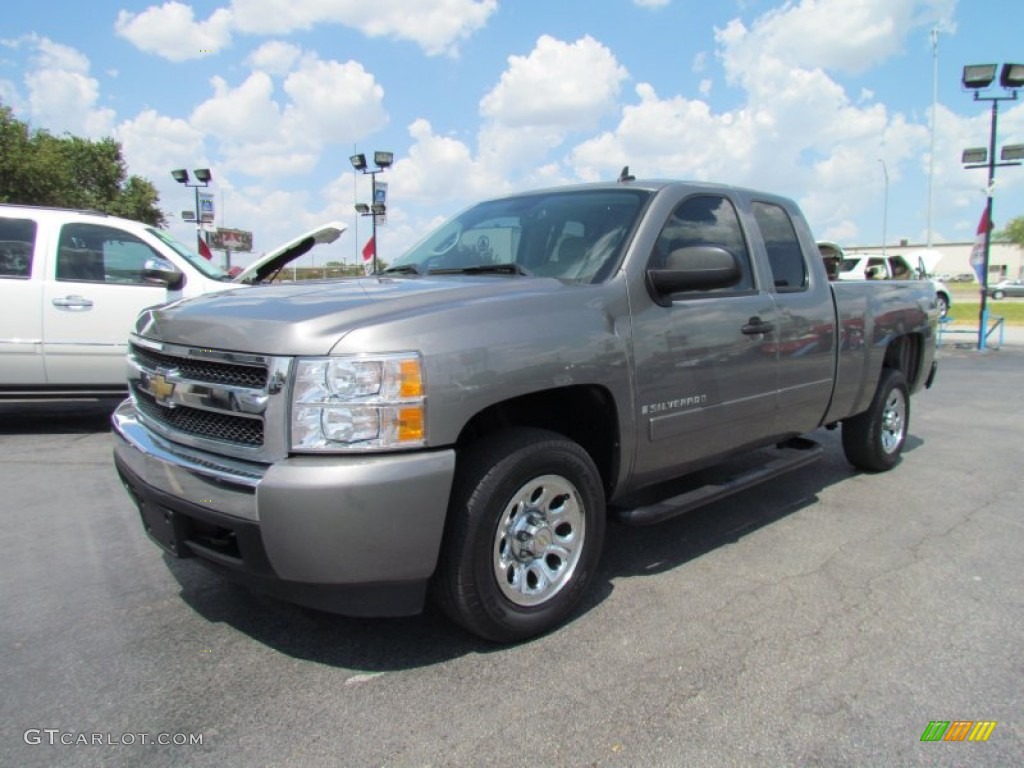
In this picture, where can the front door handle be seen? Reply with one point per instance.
(757, 326)
(73, 302)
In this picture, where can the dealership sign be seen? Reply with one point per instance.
(237, 240)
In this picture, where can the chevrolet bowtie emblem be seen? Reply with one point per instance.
(161, 389)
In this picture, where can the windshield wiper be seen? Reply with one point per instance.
(509, 268)
(402, 269)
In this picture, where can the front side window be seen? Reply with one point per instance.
(785, 256)
(705, 220)
(94, 253)
(17, 244)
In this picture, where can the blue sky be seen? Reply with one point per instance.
(815, 99)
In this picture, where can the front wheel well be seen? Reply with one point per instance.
(585, 414)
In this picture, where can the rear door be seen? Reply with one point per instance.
(706, 362)
(94, 291)
(804, 338)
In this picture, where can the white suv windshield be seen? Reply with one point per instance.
(208, 268)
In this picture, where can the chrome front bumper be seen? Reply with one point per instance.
(316, 520)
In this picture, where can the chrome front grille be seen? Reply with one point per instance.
(225, 403)
(203, 369)
(208, 424)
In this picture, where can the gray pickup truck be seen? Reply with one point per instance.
(463, 423)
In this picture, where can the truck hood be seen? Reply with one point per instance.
(286, 253)
(309, 318)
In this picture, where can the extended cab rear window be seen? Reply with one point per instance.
(785, 257)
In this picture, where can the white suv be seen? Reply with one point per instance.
(73, 282)
(847, 265)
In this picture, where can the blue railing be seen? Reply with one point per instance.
(995, 324)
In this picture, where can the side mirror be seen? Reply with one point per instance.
(157, 270)
(694, 268)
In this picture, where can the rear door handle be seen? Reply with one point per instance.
(73, 302)
(757, 326)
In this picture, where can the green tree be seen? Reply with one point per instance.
(38, 168)
(1014, 231)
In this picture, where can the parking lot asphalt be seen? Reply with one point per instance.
(825, 619)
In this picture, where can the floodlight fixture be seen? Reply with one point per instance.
(1012, 152)
(363, 209)
(383, 159)
(974, 155)
(180, 175)
(188, 215)
(358, 162)
(379, 209)
(977, 76)
(1012, 76)
(203, 175)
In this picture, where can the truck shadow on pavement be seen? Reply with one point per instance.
(384, 645)
(57, 417)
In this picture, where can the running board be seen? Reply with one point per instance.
(793, 454)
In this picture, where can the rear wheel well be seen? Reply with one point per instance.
(584, 414)
(904, 355)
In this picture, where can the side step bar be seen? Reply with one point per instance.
(793, 454)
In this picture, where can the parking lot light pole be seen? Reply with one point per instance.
(203, 177)
(977, 77)
(382, 161)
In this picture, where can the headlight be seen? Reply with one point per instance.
(365, 403)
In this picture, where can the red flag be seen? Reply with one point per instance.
(978, 251)
(369, 251)
(204, 249)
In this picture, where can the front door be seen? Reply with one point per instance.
(94, 291)
(706, 365)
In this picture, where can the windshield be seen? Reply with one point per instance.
(572, 235)
(208, 268)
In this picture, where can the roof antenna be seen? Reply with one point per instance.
(625, 175)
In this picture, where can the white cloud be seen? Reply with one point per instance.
(153, 144)
(170, 30)
(437, 26)
(651, 3)
(62, 96)
(442, 167)
(568, 86)
(245, 113)
(841, 35)
(269, 159)
(261, 133)
(274, 57)
(333, 102)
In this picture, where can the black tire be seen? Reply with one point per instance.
(527, 504)
(874, 439)
(998, 295)
(943, 304)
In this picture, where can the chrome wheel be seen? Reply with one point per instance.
(894, 421)
(539, 540)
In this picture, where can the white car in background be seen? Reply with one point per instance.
(848, 265)
(73, 282)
